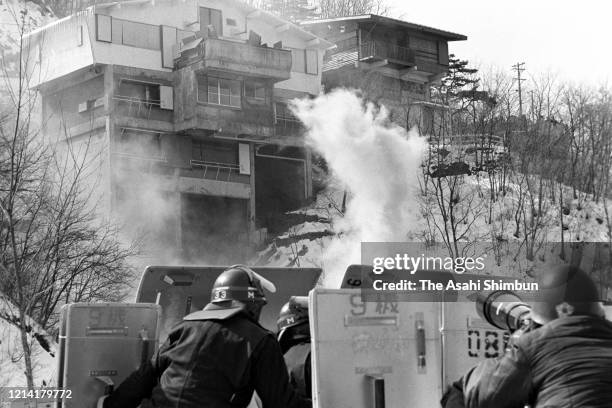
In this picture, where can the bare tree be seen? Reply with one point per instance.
(53, 248)
(342, 8)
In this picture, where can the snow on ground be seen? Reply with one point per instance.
(11, 358)
(304, 244)
(12, 21)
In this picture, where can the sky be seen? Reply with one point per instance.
(571, 39)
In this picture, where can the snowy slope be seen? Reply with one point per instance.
(389, 200)
(305, 243)
(11, 359)
(19, 17)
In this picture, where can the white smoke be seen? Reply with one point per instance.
(377, 161)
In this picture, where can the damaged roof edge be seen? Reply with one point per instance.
(250, 11)
(450, 36)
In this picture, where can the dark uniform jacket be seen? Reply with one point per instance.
(297, 359)
(212, 364)
(566, 363)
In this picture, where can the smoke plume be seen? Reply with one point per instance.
(376, 161)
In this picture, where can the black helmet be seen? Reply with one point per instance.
(237, 288)
(293, 313)
(567, 287)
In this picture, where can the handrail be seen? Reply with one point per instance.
(160, 159)
(219, 166)
(384, 50)
(202, 163)
(135, 99)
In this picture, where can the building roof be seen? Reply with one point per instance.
(389, 22)
(252, 12)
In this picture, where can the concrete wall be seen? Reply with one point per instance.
(61, 116)
(60, 48)
(396, 95)
(185, 16)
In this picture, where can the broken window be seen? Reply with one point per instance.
(211, 17)
(140, 144)
(255, 90)
(136, 91)
(214, 152)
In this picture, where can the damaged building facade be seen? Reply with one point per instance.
(393, 62)
(182, 105)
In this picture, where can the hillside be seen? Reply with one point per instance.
(389, 200)
(18, 17)
(11, 360)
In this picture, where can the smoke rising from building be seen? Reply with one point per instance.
(376, 161)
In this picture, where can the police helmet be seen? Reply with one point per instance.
(293, 313)
(566, 289)
(236, 289)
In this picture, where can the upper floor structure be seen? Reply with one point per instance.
(393, 61)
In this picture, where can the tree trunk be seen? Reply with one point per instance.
(27, 352)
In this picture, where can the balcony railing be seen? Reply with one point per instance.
(245, 58)
(227, 172)
(142, 108)
(286, 125)
(378, 50)
(154, 164)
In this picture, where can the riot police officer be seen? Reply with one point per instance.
(216, 357)
(294, 339)
(566, 362)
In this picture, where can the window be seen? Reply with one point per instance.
(312, 63)
(285, 121)
(299, 60)
(219, 91)
(136, 91)
(304, 61)
(140, 143)
(80, 36)
(214, 152)
(211, 17)
(255, 91)
(103, 28)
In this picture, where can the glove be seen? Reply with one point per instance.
(101, 401)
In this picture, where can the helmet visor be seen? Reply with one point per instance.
(265, 283)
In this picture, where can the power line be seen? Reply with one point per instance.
(518, 67)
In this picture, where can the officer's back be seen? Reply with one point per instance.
(216, 357)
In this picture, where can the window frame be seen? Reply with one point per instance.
(147, 90)
(219, 94)
(255, 86)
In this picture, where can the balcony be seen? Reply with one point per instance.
(240, 58)
(394, 54)
(148, 109)
(287, 125)
(227, 172)
(129, 162)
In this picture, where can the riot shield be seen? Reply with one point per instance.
(373, 354)
(181, 290)
(100, 345)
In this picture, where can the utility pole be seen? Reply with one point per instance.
(518, 67)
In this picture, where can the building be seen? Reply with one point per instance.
(393, 62)
(182, 105)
